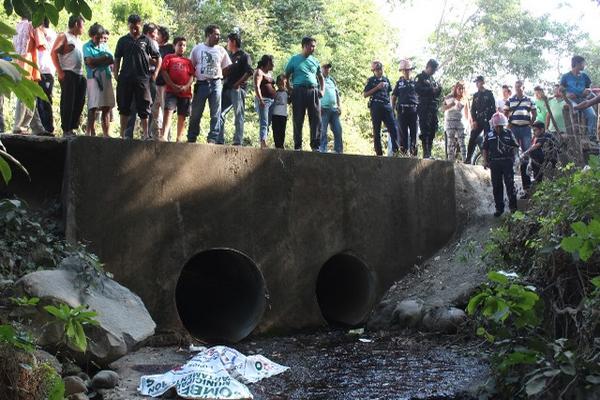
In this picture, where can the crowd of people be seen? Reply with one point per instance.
(510, 125)
(155, 79)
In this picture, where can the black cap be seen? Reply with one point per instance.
(539, 124)
(479, 79)
(432, 63)
(327, 65)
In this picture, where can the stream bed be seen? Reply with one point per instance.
(332, 365)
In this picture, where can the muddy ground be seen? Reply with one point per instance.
(333, 365)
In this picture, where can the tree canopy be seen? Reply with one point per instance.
(496, 39)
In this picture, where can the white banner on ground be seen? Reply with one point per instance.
(215, 373)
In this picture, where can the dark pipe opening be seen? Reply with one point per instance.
(345, 290)
(220, 295)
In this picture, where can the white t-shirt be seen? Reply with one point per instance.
(44, 60)
(209, 61)
(280, 106)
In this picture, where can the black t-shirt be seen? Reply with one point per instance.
(135, 56)
(427, 89)
(405, 92)
(484, 106)
(500, 146)
(240, 65)
(381, 96)
(547, 148)
(164, 50)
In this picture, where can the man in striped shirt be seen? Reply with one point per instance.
(521, 113)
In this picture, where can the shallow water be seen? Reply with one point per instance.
(334, 365)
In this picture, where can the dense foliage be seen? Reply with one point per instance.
(542, 304)
(499, 39)
(487, 38)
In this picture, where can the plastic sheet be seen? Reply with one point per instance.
(216, 373)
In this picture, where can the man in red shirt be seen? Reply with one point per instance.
(178, 73)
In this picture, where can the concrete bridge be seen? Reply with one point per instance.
(225, 241)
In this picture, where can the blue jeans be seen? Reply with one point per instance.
(233, 99)
(523, 136)
(331, 116)
(590, 118)
(264, 116)
(203, 91)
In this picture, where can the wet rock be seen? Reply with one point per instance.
(85, 377)
(105, 379)
(381, 317)
(70, 368)
(6, 284)
(408, 313)
(47, 358)
(78, 396)
(73, 385)
(444, 320)
(123, 319)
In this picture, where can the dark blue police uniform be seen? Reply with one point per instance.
(381, 111)
(501, 156)
(406, 109)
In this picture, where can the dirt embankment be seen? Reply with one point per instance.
(449, 277)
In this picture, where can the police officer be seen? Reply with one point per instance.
(499, 146)
(405, 101)
(429, 96)
(483, 108)
(378, 88)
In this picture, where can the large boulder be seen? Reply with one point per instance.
(444, 319)
(123, 319)
(408, 314)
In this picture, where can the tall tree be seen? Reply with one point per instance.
(499, 38)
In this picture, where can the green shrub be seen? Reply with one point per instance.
(542, 316)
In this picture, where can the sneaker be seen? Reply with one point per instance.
(498, 213)
(513, 210)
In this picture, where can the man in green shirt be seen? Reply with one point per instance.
(308, 86)
(556, 106)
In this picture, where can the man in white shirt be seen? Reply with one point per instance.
(211, 61)
(47, 71)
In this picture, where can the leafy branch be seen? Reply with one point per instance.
(73, 321)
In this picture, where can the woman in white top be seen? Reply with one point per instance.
(456, 115)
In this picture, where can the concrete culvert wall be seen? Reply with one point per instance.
(220, 295)
(345, 290)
